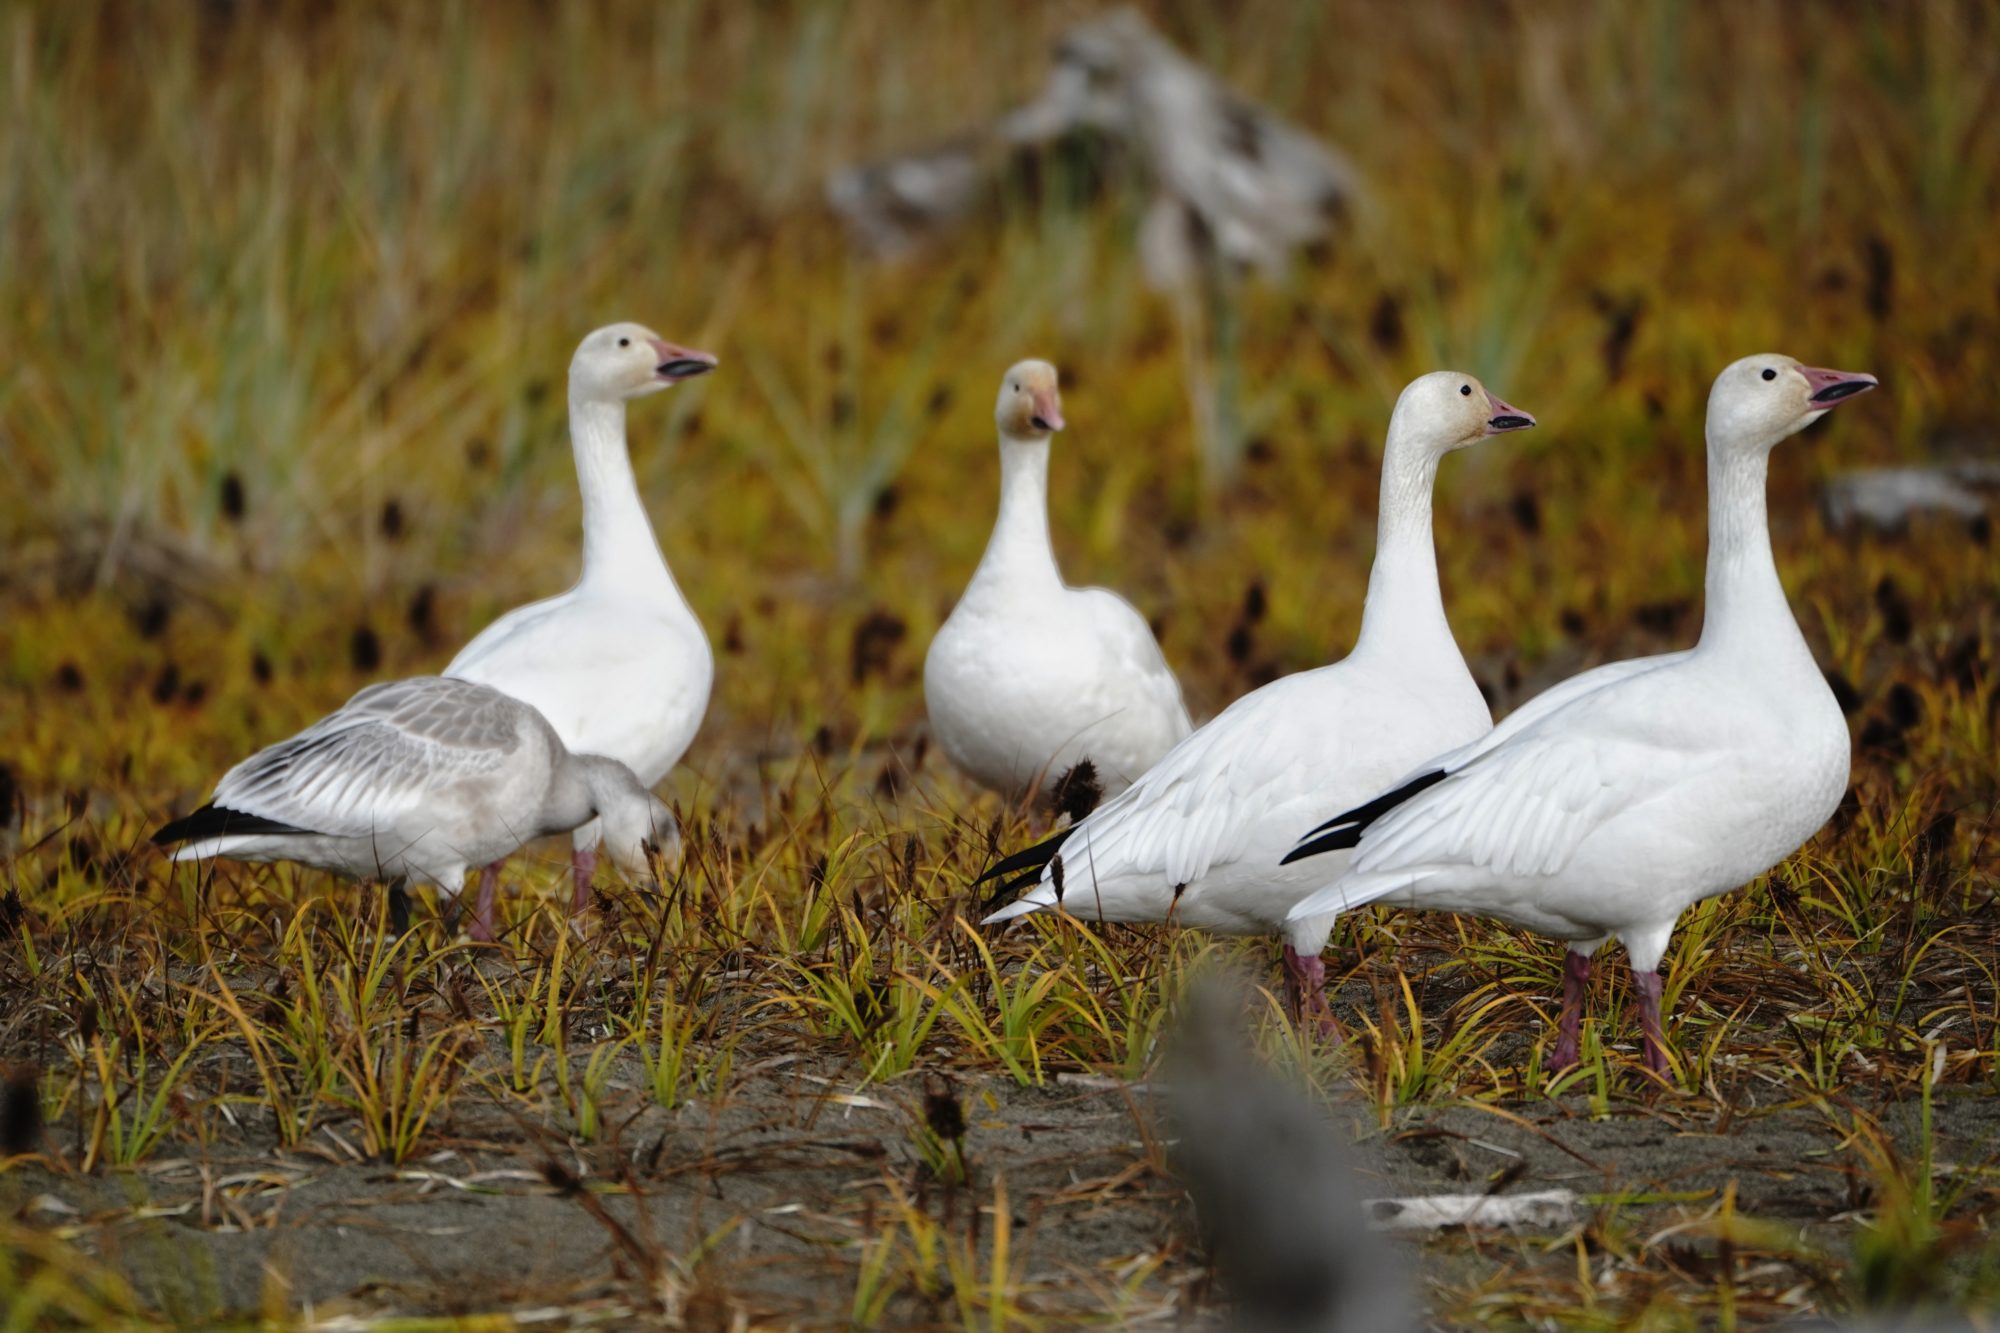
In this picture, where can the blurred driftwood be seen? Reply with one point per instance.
(1887, 498)
(1549, 1210)
(1235, 188)
(1232, 181)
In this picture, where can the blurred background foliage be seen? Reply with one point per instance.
(287, 292)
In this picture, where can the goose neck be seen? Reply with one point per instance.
(1404, 611)
(1019, 549)
(618, 542)
(1745, 603)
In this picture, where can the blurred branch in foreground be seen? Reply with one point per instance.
(1276, 1192)
(1234, 188)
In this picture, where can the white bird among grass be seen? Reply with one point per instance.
(1609, 805)
(419, 779)
(1028, 677)
(618, 664)
(1197, 839)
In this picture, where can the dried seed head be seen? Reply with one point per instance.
(20, 1111)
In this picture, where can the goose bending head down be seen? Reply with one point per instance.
(640, 831)
(418, 779)
(619, 664)
(1029, 680)
(1197, 839)
(1611, 803)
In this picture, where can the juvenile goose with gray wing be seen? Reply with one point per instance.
(419, 779)
(1028, 676)
(1624, 796)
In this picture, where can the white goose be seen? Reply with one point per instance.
(1608, 805)
(1197, 839)
(1027, 676)
(419, 779)
(618, 664)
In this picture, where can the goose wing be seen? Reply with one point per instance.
(384, 755)
(1200, 806)
(1525, 805)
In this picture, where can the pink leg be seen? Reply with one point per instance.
(1305, 991)
(1294, 995)
(1569, 1029)
(583, 862)
(481, 930)
(1649, 986)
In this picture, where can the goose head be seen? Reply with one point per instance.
(1761, 399)
(638, 825)
(1447, 410)
(624, 361)
(1030, 406)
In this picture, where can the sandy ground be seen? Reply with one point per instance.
(759, 1210)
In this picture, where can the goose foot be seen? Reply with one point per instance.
(481, 930)
(1305, 992)
(1569, 1028)
(583, 864)
(1649, 986)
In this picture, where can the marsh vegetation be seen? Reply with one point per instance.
(287, 294)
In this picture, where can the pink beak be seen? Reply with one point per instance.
(1505, 418)
(1825, 388)
(680, 363)
(1048, 409)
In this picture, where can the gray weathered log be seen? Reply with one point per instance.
(1887, 498)
(1232, 181)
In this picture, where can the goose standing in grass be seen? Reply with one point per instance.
(1196, 841)
(1029, 678)
(1625, 795)
(419, 779)
(618, 664)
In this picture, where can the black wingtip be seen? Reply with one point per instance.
(1347, 835)
(1028, 858)
(212, 821)
(1345, 830)
(1011, 890)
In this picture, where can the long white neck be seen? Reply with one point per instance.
(618, 542)
(1404, 613)
(1019, 553)
(1745, 603)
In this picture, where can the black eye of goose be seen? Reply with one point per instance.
(1465, 389)
(1770, 374)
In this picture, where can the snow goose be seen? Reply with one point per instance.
(1028, 677)
(1625, 795)
(419, 779)
(1197, 839)
(618, 664)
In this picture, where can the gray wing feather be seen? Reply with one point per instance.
(383, 755)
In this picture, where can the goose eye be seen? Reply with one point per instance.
(624, 342)
(1465, 389)
(1770, 374)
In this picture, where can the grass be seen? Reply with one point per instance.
(287, 303)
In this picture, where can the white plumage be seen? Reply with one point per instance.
(1610, 804)
(618, 664)
(418, 779)
(1028, 676)
(1198, 838)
